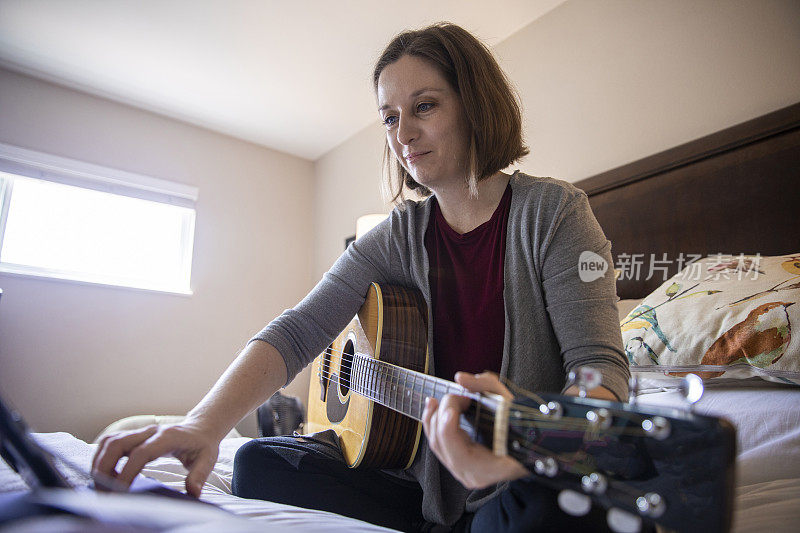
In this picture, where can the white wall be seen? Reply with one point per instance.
(606, 83)
(76, 357)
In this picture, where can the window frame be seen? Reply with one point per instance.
(16, 161)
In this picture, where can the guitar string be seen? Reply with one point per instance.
(576, 464)
(536, 418)
(417, 394)
(521, 411)
(535, 413)
(514, 388)
(572, 462)
(458, 389)
(543, 452)
(414, 396)
(540, 421)
(448, 384)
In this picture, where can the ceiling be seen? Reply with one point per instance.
(289, 75)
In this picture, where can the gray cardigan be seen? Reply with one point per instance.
(554, 321)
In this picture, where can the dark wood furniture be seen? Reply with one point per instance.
(734, 191)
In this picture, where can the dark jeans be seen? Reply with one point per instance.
(283, 470)
(528, 506)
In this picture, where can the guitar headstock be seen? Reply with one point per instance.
(665, 466)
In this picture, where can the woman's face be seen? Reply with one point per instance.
(426, 127)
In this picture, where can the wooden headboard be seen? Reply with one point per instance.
(734, 191)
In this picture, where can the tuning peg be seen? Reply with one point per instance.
(574, 503)
(691, 389)
(651, 504)
(552, 409)
(657, 426)
(594, 483)
(623, 522)
(587, 378)
(600, 418)
(546, 467)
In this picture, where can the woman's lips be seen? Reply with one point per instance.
(412, 158)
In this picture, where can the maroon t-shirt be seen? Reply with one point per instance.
(466, 280)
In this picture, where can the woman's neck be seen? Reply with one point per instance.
(463, 212)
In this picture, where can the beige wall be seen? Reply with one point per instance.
(607, 82)
(76, 357)
(347, 186)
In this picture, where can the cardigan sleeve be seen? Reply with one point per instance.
(580, 300)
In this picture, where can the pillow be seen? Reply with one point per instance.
(721, 317)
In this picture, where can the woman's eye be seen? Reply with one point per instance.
(424, 106)
(391, 120)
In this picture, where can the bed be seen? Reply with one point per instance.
(733, 192)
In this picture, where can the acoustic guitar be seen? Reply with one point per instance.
(666, 466)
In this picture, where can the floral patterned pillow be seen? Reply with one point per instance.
(721, 318)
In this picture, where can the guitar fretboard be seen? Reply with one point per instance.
(398, 388)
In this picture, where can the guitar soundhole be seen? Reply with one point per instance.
(346, 368)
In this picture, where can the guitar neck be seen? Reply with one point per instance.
(398, 388)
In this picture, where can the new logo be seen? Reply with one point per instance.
(591, 266)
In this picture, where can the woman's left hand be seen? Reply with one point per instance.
(474, 465)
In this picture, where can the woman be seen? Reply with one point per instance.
(496, 258)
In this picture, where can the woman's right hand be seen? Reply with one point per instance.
(195, 447)
(253, 377)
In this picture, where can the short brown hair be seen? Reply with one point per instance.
(491, 105)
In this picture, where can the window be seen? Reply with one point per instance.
(69, 220)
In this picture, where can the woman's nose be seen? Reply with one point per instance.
(407, 131)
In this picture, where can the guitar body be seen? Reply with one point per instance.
(391, 326)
